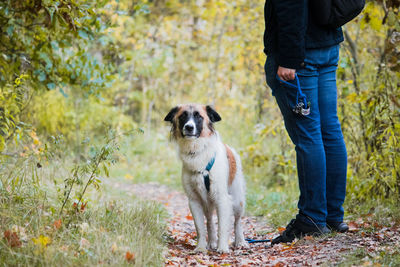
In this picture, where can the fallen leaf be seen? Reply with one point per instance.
(83, 206)
(128, 176)
(353, 226)
(114, 247)
(130, 256)
(223, 255)
(42, 241)
(84, 243)
(64, 248)
(281, 229)
(189, 217)
(84, 227)
(21, 232)
(12, 239)
(57, 224)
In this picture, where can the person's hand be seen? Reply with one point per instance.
(286, 74)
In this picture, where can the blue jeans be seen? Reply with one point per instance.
(320, 148)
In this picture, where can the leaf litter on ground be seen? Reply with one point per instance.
(308, 251)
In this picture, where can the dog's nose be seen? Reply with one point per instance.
(189, 127)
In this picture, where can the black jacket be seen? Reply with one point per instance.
(290, 29)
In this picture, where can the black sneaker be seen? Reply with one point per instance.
(297, 228)
(340, 227)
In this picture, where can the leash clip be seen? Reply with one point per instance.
(299, 109)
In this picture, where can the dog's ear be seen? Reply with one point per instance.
(171, 114)
(212, 114)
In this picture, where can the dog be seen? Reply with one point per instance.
(212, 175)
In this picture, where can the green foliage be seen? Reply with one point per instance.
(369, 106)
(48, 44)
(390, 256)
(13, 100)
(87, 174)
(101, 231)
(72, 69)
(104, 233)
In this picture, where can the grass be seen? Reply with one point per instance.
(275, 204)
(388, 256)
(114, 222)
(110, 226)
(149, 158)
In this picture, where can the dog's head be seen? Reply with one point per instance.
(191, 121)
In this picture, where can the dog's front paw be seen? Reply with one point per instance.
(200, 249)
(241, 244)
(212, 245)
(223, 249)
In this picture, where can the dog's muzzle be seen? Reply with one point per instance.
(189, 130)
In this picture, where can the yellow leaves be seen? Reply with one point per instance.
(128, 176)
(251, 148)
(359, 98)
(352, 98)
(373, 15)
(18, 80)
(42, 241)
(36, 143)
(2, 143)
(114, 247)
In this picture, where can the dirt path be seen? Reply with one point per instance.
(307, 252)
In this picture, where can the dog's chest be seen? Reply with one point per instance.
(197, 182)
(194, 185)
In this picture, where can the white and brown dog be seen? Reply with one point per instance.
(211, 175)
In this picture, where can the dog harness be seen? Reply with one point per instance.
(206, 173)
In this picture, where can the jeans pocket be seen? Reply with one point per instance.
(290, 95)
(307, 70)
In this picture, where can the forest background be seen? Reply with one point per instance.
(84, 88)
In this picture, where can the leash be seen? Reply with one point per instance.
(206, 173)
(302, 107)
(250, 241)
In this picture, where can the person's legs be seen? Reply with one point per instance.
(335, 149)
(305, 132)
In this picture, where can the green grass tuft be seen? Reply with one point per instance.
(111, 225)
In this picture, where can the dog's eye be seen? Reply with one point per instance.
(196, 114)
(184, 114)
